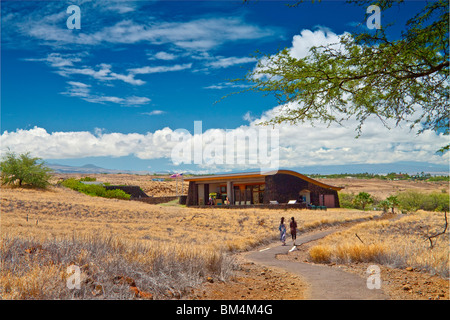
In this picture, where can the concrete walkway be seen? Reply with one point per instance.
(325, 283)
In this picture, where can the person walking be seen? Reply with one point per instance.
(282, 229)
(293, 226)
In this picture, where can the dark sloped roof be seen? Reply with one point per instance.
(258, 174)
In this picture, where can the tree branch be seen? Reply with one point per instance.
(438, 234)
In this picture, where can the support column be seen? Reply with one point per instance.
(230, 192)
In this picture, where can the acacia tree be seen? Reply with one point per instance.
(367, 74)
(393, 202)
(24, 170)
(362, 199)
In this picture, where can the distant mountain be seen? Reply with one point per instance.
(91, 166)
(88, 168)
(398, 167)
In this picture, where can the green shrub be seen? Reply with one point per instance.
(346, 200)
(413, 201)
(117, 194)
(384, 205)
(24, 170)
(88, 179)
(363, 199)
(95, 190)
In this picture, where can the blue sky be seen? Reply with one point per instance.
(138, 70)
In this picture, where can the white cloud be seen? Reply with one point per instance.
(162, 55)
(103, 73)
(159, 69)
(321, 144)
(58, 60)
(225, 62)
(248, 117)
(301, 44)
(65, 66)
(154, 112)
(226, 85)
(334, 144)
(83, 91)
(197, 34)
(300, 145)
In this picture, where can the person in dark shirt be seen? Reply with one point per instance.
(293, 226)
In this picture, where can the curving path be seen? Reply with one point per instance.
(325, 283)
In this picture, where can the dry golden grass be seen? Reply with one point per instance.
(164, 247)
(381, 189)
(60, 213)
(400, 242)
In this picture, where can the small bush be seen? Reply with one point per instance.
(347, 253)
(320, 254)
(88, 179)
(117, 194)
(33, 269)
(413, 201)
(363, 199)
(95, 190)
(24, 170)
(346, 200)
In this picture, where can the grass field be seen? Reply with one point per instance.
(399, 243)
(128, 249)
(163, 248)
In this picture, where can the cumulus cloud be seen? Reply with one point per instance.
(302, 43)
(334, 144)
(299, 145)
(301, 46)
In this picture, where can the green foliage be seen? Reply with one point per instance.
(88, 179)
(385, 205)
(346, 200)
(409, 201)
(367, 74)
(439, 178)
(117, 194)
(390, 176)
(24, 170)
(393, 202)
(363, 175)
(412, 201)
(94, 189)
(362, 199)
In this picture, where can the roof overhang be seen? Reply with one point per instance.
(254, 175)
